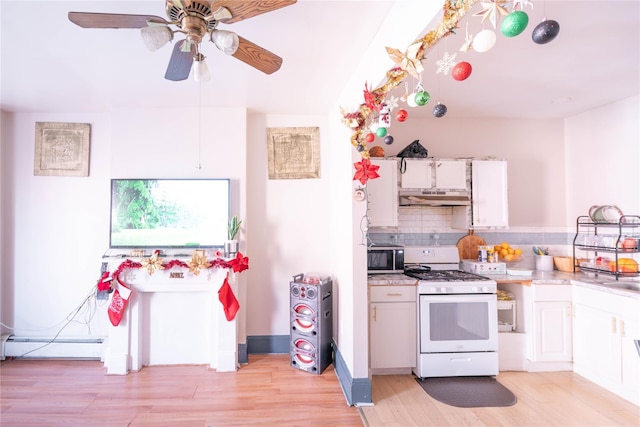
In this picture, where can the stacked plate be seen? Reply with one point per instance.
(605, 214)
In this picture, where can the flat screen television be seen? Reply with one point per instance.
(169, 213)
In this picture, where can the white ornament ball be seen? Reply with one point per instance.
(484, 41)
(411, 100)
(374, 127)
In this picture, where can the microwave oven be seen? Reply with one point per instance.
(385, 259)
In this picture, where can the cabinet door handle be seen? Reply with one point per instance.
(570, 310)
(375, 312)
(394, 294)
(622, 328)
(614, 321)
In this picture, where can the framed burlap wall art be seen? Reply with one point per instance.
(62, 149)
(294, 153)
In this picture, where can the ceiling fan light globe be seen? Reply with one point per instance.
(156, 37)
(226, 41)
(201, 71)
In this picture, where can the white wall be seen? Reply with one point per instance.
(55, 229)
(287, 225)
(603, 158)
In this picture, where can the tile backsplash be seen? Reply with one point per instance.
(430, 226)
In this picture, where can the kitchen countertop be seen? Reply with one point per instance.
(625, 287)
(394, 279)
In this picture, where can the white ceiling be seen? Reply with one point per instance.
(50, 65)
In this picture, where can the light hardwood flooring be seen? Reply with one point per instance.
(544, 399)
(265, 392)
(268, 392)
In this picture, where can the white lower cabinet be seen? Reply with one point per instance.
(550, 336)
(605, 327)
(392, 329)
(553, 341)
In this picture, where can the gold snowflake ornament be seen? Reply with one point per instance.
(491, 10)
(198, 262)
(408, 61)
(152, 263)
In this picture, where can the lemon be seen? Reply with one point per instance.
(504, 245)
(518, 251)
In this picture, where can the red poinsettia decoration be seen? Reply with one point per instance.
(365, 171)
(370, 99)
(240, 263)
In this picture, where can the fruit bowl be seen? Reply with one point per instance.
(508, 254)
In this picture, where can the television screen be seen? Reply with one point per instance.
(165, 213)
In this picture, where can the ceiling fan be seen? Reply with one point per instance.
(196, 19)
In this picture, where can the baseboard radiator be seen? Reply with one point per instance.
(42, 348)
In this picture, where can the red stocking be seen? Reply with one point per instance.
(118, 303)
(228, 300)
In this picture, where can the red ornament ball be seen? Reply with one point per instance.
(461, 71)
(370, 137)
(402, 115)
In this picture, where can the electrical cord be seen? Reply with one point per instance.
(90, 313)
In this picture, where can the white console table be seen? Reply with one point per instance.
(173, 317)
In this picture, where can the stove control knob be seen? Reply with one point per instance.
(443, 290)
(474, 289)
(485, 289)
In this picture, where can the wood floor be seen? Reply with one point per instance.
(268, 392)
(544, 399)
(265, 392)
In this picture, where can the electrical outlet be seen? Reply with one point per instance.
(102, 295)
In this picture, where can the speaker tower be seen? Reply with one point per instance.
(311, 323)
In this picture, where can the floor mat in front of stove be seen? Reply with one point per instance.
(468, 392)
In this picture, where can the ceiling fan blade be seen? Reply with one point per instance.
(247, 9)
(258, 57)
(112, 20)
(180, 63)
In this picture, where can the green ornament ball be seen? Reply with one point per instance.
(381, 132)
(514, 23)
(422, 98)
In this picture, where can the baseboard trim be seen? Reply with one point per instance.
(243, 356)
(356, 390)
(268, 344)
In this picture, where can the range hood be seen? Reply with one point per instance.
(434, 198)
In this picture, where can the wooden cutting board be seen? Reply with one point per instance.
(468, 246)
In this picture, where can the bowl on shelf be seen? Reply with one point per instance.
(566, 263)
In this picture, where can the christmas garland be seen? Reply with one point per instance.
(407, 63)
(122, 292)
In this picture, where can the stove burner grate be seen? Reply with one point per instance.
(444, 275)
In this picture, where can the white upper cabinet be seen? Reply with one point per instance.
(489, 197)
(450, 174)
(382, 194)
(434, 174)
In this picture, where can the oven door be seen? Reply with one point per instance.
(458, 323)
